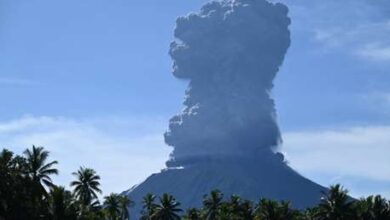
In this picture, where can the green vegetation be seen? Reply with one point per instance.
(28, 192)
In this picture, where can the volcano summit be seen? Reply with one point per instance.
(226, 136)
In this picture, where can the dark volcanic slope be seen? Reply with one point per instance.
(250, 178)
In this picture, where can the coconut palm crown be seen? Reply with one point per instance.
(86, 187)
(38, 169)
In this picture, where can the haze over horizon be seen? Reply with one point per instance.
(91, 82)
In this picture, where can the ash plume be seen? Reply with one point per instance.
(230, 53)
(225, 136)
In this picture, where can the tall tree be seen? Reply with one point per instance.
(15, 187)
(335, 205)
(86, 187)
(168, 209)
(112, 206)
(7, 173)
(212, 203)
(61, 204)
(273, 210)
(148, 206)
(38, 168)
(192, 214)
(381, 207)
(267, 209)
(246, 210)
(125, 204)
(372, 208)
(240, 209)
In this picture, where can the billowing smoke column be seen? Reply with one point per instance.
(230, 52)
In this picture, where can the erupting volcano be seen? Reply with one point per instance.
(227, 136)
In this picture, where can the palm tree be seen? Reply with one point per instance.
(37, 168)
(61, 204)
(273, 210)
(8, 172)
(267, 209)
(246, 210)
(192, 214)
(6, 157)
(373, 207)
(235, 203)
(86, 186)
(148, 206)
(112, 206)
(17, 190)
(335, 205)
(125, 203)
(364, 208)
(286, 211)
(236, 209)
(38, 172)
(167, 209)
(225, 212)
(381, 208)
(212, 203)
(7, 183)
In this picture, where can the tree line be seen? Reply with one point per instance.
(27, 192)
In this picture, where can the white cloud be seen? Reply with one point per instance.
(368, 40)
(375, 52)
(361, 28)
(123, 151)
(17, 82)
(329, 156)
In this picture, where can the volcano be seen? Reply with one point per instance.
(227, 137)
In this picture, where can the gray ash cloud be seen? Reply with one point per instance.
(230, 52)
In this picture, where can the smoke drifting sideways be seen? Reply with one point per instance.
(230, 52)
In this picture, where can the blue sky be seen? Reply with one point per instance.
(90, 81)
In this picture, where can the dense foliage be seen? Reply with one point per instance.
(28, 192)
